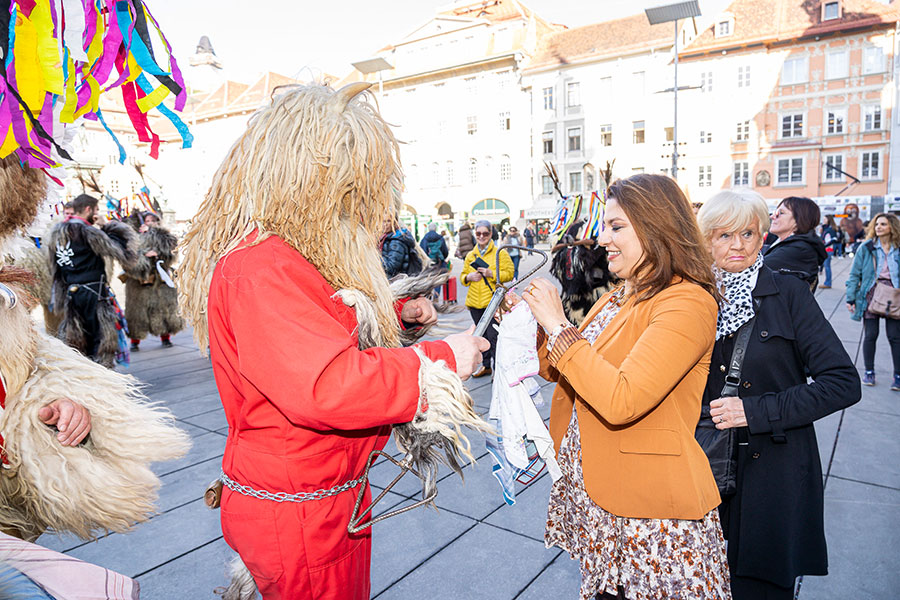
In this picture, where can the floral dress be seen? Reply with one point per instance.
(650, 559)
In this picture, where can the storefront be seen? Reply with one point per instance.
(494, 210)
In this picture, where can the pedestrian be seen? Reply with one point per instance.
(774, 519)
(529, 238)
(76, 253)
(435, 247)
(841, 241)
(286, 306)
(466, 240)
(853, 227)
(513, 239)
(478, 274)
(399, 254)
(877, 261)
(151, 300)
(636, 505)
(830, 239)
(792, 245)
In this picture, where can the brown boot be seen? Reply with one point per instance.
(483, 371)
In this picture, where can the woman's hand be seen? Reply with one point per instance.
(851, 307)
(486, 272)
(543, 298)
(728, 412)
(473, 277)
(71, 419)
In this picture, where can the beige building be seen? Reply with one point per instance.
(454, 90)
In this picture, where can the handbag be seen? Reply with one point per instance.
(886, 299)
(720, 444)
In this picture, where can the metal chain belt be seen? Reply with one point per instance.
(284, 496)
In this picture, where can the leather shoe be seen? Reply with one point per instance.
(483, 371)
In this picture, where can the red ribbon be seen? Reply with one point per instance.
(3, 458)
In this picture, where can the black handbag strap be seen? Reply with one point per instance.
(742, 339)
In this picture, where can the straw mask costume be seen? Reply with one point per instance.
(283, 281)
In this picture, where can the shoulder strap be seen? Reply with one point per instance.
(733, 378)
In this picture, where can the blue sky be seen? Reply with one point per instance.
(287, 36)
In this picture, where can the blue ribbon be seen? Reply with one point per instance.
(113, 136)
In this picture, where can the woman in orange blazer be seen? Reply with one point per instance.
(636, 503)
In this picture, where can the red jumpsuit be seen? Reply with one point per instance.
(305, 407)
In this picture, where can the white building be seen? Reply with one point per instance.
(597, 96)
(456, 95)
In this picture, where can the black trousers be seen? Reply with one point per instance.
(871, 327)
(748, 588)
(83, 302)
(487, 358)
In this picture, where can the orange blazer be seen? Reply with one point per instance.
(637, 391)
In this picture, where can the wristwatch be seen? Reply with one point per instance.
(555, 334)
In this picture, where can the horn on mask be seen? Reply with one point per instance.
(7, 297)
(344, 95)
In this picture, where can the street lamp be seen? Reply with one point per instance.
(665, 14)
(374, 65)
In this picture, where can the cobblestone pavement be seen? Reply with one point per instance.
(474, 546)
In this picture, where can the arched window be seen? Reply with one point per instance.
(473, 170)
(492, 209)
(488, 168)
(435, 174)
(450, 173)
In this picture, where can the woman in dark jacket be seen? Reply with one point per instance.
(792, 245)
(398, 253)
(774, 522)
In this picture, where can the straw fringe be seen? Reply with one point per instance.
(322, 182)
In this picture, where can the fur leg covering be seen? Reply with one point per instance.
(105, 483)
(242, 586)
(21, 191)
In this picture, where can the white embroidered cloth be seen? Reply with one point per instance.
(516, 395)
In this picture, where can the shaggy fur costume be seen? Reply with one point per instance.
(320, 169)
(151, 306)
(584, 275)
(34, 259)
(116, 241)
(103, 484)
(21, 191)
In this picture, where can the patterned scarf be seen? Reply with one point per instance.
(737, 305)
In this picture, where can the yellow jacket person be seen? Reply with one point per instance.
(482, 281)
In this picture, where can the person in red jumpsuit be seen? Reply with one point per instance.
(305, 406)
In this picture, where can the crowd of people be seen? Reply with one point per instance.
(690, 357)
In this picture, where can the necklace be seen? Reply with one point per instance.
(618, 296)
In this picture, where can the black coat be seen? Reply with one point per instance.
(774, 524)
(398, 254)
(802, 253)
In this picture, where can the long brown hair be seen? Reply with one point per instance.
(666, 226)
(894, 223)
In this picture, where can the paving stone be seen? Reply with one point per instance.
(561, 579)
(401, 543)
(194, 575)
(477, 496)
(458, 572)
(161, 539)
(211, 420)
(869, 449)
(205, 446)
(528, 516)
(196, 406)
(862, 526)
(188, 484)
(197, 389)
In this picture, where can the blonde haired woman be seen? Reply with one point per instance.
(774, 519)
(876, 261)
